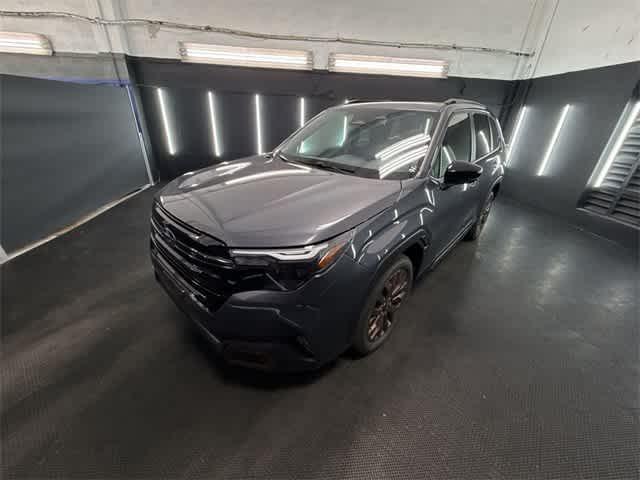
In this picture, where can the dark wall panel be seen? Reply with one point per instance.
(597, 98)
(66, 150)
(186, 86)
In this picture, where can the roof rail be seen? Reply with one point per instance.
(363, 100)
(452, 101)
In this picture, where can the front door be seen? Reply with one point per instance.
(452, 208)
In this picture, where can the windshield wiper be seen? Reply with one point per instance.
(329, 166)
(289, 160)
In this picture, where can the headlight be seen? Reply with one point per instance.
(289, 268)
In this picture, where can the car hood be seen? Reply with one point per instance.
(262, 202)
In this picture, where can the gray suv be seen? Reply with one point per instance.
(287, 259)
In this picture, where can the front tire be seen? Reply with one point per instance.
(380, 312)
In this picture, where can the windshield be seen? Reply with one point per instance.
(366, 140)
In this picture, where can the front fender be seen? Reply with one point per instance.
(385, 236)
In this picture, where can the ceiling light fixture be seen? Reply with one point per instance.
(409, 67)
(246, 57)
(29, 43)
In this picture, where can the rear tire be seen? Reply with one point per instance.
(380, 312)
(476, 230)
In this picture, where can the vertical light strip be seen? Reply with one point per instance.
(616, 146)
(554, 140)
(165, 121)
(344, 130)
(302, 111)
(485, 141)
(448, 155)
(515, 133)
(258, 124)
(427, 125)
(214, 128)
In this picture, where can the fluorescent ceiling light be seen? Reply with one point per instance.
(635, 110)
(214, 127)
(165, 122)
(30, 43)
(410, 67)
(516, 131)
(258, 124)
(554, 140)
(246, 57)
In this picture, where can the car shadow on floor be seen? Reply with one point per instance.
(267, 380)
(461, 256)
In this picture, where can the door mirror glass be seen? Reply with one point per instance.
(461, 172)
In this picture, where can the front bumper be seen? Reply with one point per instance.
(278, 331)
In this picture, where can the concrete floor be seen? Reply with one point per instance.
(517, 358)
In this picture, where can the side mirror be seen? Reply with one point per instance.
(461, 172)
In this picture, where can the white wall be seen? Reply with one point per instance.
(461, 22)
(589, 34)
(581, 33)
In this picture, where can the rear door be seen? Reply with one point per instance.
(487, 153)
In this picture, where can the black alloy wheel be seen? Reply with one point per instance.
(381, 311)
(382, 315)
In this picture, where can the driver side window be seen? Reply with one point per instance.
(456, 145)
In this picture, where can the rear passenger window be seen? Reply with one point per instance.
(483, 135)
